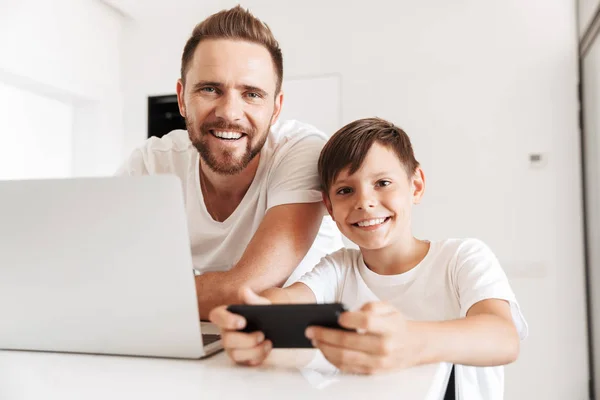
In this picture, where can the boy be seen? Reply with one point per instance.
(416, 301)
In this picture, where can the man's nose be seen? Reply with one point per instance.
(229, 108)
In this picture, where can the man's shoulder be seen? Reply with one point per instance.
(292, 131)
(168, 154)
(176, 141)
(295, 142)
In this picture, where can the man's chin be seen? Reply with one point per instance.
(226, 167)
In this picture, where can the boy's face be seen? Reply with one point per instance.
(372, 207)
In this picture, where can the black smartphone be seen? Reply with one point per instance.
(284, 324)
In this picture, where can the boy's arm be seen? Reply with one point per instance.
(385, 339)
(298, 293)
(485, 337)
(252, 348)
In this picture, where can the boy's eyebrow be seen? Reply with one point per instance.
(371, 176)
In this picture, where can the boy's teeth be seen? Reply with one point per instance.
(370, 222)
(228, 135)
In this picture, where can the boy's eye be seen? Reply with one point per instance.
(383, 183)
(344, 190)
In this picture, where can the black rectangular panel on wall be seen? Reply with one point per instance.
(163, 115)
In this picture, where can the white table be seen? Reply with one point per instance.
(287, 374)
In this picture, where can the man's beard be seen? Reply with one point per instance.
(230, 166)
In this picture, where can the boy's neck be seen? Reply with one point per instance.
(397, 259)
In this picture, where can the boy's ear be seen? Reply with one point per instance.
(418, 185)
(328, 204)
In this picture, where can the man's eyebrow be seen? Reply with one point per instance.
(199, 85)
(251, 88)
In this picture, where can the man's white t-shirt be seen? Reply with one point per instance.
(454, 275)
(287, 173)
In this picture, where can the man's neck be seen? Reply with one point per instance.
(398, 258)
(232, 187)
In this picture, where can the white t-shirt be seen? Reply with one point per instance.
(454, 275)
(287, 173)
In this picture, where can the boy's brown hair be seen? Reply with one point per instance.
(349, 147)
(235, 24)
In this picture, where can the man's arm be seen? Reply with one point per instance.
(283, 238)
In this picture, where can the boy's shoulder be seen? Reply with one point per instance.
(344, 257)
(447, 248)
(455, 252)
(458, 246)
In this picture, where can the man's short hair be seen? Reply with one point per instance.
(235, 24)
(349, 146)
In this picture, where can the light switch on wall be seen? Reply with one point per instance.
(537, 160)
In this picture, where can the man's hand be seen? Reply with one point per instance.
(383, 340)
(243, 348)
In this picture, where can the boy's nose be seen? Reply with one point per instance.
(365, 201)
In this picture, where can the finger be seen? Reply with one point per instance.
(366, 343)
(248, 296)
(362, 321)
(378, 307)
(252, 356)
(226, 320)
(239, 340)
(351, 360)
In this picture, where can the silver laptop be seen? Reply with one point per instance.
(98, 265)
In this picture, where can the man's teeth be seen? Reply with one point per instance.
(371, 222)
(227, 135)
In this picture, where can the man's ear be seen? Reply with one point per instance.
(327, 203)
(418, 185)
(277, 108)
(180, 102)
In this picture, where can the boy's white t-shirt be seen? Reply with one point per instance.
(454, 275)
(287, 173)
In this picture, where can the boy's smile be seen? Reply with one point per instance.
(371, 223)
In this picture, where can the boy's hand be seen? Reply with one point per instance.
(243, 348)
(383, 340)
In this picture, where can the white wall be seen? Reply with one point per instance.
(586, 11)
(69, 50)
(478, 85)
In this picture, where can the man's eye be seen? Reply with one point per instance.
(344, 191)
(208, 89)
(254, 95)
(383, 183)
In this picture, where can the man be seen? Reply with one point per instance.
(250, 183)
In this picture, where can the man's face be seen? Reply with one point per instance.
(373, 206)
(229, 102)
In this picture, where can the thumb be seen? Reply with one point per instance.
(248, 296)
